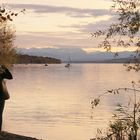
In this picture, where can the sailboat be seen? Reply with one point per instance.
(68, 65)
(46, 64)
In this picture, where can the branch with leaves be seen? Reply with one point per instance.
(125, 33)
(8, 15)
(8, 54)
(127, 119)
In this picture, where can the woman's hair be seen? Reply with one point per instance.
(2, 69)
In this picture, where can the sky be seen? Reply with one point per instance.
(60, 23)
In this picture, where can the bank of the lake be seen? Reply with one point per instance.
(11, 136)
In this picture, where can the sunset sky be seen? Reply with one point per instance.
(60, 23)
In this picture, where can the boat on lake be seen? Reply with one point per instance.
(68, 65)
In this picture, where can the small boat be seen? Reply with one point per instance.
(68, 65)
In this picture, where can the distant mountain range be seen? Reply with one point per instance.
(76, 54)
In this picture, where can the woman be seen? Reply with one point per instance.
(4, 74)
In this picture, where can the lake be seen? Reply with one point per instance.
(53, 102)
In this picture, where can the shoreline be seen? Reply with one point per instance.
(11, 136)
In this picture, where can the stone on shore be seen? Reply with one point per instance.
(11, 136)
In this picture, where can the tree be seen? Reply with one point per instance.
(124, 33)
(127, 117)
(7, 50)
(8, 54)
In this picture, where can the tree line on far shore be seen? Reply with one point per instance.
(27, 59)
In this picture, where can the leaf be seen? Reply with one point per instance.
(2, 11)
(3, 18)
(117, 91)
(95, 102)
(99, 131)
(9, 18)
(110, 91)
(16, 14)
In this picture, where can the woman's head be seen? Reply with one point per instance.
(5, 73)
(2, 69)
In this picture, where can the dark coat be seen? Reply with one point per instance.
(5, 75)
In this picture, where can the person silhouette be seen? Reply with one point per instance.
(4, 74)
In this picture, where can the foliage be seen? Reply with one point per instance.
(7, 51)
(125, 32)
(7, 35)
(127, 117)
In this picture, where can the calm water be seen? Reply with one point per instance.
(53, 103)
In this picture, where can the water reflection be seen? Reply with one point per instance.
(54, 102)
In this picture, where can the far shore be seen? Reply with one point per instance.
(10, 136)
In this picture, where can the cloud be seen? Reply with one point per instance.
(92, 27)
(72, 12)
(41, 39)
